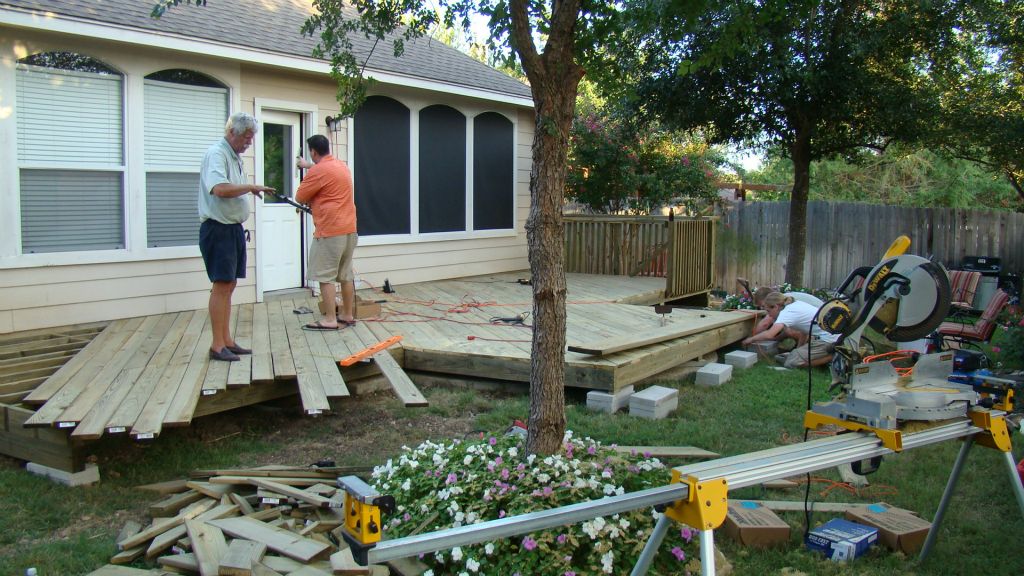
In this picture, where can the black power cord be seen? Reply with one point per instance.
(810, 381)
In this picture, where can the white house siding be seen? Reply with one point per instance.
(43, 290)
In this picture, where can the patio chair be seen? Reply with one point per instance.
(963, 285)
(970, 335)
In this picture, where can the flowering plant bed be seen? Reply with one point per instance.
(446, 485)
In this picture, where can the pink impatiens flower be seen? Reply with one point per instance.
(678, 553)
(529, 543)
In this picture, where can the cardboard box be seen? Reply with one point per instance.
(898, 529)
(841, 540)
(364, 308)
(751, 524)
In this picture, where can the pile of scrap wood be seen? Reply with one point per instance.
(261, 522)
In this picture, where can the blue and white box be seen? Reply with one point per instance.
(841, 540)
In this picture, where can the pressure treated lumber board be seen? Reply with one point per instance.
(183, 405)
(240, 373)
(240, 555)
(661, 334)
(262, 364)
(103, 342)
(208, 546)
(400, 382)
(279, 540)
(280, 352)
(668, 451)
(311, 390)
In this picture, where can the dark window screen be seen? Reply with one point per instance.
(442, 169)
(493, 166)
(381, 152)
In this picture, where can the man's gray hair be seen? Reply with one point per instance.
(240, 122)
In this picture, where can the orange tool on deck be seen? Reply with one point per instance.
(366, 353)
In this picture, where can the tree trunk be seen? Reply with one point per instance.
(554, 80)
(800, 152)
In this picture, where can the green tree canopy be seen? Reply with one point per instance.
(815, 78)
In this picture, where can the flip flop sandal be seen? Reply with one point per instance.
(318, 327)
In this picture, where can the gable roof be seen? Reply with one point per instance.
(244, 29)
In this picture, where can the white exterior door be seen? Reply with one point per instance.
(281, 225)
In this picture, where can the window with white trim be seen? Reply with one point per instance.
(389, 201)
(70, 123)
(185, 113)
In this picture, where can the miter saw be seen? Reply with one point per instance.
(903, 298)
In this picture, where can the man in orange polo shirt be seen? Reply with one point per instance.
(327, 189)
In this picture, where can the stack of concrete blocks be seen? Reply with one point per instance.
(740, 359)
(654, 403)
(764, 348)
(610, 403)
(714, 374)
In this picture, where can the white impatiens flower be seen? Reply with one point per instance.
(543, 478)
(472, 565)
(467, 460)
(457, 553)
(488, 549)
(428, 573)
(513, 452)
(406, 485)
(606, 562)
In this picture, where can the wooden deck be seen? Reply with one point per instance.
(141, 375)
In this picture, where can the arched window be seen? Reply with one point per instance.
(442, 195)
(382, 167)
(493, 172)
(185, 113)
(70, 124)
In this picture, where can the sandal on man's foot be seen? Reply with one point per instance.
(224, 355)
(318, 327)
(346, 322)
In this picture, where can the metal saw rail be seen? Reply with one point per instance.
(735, 472)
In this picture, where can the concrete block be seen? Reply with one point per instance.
(764, 348)
(714, 374)
(91, 474)
(605, 402)
(740, 359)
(654, 403)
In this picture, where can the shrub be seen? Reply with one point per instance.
(1008, 340)
(613, 169)
(445, 485)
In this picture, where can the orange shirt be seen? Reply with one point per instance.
(327, 189)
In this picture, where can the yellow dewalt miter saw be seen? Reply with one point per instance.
(903, 298)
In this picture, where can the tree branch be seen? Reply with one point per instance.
(522, 41)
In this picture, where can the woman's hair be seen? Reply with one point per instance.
(775, 298)
(239, 123)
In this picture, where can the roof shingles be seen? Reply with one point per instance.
(274, 26)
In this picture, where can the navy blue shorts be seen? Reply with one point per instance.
(223, 249)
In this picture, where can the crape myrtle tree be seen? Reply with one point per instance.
(818, 78)
(555, 43)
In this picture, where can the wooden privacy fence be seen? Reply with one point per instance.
(682, 250)
(754, 239)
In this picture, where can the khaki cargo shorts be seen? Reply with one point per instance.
(330, 258)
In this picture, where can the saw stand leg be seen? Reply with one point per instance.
(707, 549)
(947, 495)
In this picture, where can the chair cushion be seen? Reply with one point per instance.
(968, 331)
(963, 285)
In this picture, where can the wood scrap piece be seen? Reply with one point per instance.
(167, 539)
(208, 545)
(400, 382)
(240, 556)
(311, 571)
(280, 563)
(667, 451)
(109, 570)
(162, 526)
(247, 480)
(169, 487)
(277, 539)
(292, 492)
(787, 506)
(260, 569)
(186, 562)
(324, 473)
(280, 351)
(660, 334)
(243, 504)
(130, 528)
(342, 562)
(210, 490)
(173, 503)
(780, 484)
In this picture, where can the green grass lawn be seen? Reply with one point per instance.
(70, 531)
